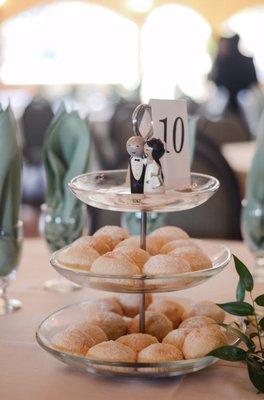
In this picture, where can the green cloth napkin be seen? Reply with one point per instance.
(66, 154)
(10, 192)
(254, 212)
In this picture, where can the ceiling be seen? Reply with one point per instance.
(215, 11)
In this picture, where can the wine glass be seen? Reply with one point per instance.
(10, 252)
(59, 233)
(252, 224)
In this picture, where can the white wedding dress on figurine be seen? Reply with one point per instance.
(153, 182)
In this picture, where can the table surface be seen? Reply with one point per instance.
(28, 372)
(239, 156)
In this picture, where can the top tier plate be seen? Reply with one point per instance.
(109, 190)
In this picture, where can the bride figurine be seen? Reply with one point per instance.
(154, 179)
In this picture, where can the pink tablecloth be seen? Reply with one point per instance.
(27, 372)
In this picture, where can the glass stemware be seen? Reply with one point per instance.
(10, 252)
(252, 224)
(59, 233)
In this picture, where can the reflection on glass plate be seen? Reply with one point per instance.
(219, 255)
(109, 190)
(76, 313)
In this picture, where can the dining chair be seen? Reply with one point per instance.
(220, 216)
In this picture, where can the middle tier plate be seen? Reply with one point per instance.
(109, 190)
(219, 255)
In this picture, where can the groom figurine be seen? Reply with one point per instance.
(135, 148)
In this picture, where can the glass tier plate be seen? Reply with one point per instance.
(219, 255)
(76, 313)
(109, 190)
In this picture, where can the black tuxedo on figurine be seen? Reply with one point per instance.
(137, 167)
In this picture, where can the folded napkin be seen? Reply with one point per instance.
(66, 154)
(254, 213)
(10, 192)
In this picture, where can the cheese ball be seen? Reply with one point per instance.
(170, 233)
(73, 340)
(105, 304)
(160, 352)
(163, 264)
(134, 254)
(114, 264)
(112, 351)
(176, 337)
(115, 233)
(130, 303)
(137, 341)
(153, 244)
(156, 324)
(95, 332)
(197, 322)
(200, 341)
(176, 244)
(78, 256)
(98, 243)
(196, 258)
(170, 308)
(206, 308)
(111, 323)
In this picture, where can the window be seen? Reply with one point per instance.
(69, 42)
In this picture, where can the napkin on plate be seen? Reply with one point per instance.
(10, 192)
(66, 154)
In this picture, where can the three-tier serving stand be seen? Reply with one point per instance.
(109, 190)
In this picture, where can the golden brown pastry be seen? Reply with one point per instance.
(93, 331)
(160, 352)
(156, 324)
(200, 341)
(176, 244)
(112, 351)
(137, 341)
(153, 244)
(197, 322)
(130, 303)
(170, 233)
(135, 254)
(98, 243)
(176, 337)
(116, 233)
(105, 304)
(196, 258)
(205, 308)
(73, 340)
(164, 264)
(168, 307)
(111, 323)
(114, 264)
(78, 256)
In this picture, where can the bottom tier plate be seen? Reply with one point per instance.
(75, 313)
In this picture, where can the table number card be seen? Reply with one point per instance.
(170, 125)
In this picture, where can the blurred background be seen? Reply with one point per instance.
(104, 57)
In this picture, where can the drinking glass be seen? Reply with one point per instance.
(10, 252)
(59, 233)
(253, 233)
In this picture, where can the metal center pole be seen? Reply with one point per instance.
(143, 235)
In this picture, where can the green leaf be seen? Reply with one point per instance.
(229, 353)
(260, 300)
(261, 324)
(240, 308)
(250, 344)
(244, 274)
(240, 291)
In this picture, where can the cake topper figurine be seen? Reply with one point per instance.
(137, 167)
(154, 179)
